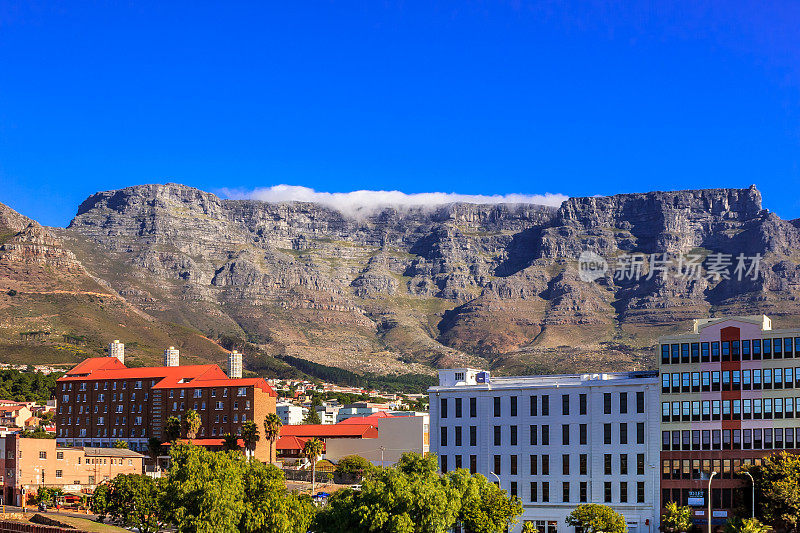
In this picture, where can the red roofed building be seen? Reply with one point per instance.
(101, 401)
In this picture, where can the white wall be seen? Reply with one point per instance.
(396, 435)
(556, 510)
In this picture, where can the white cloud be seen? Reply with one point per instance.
(364, 202)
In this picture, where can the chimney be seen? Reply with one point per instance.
(171, 355)
(234, 365)
(117, 349)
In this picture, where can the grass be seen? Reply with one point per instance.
(82, 524)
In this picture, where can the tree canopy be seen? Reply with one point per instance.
(413, 498)
(677, 518)
(596, 518)
(777, 484)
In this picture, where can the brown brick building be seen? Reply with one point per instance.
(32, 463)
(101, 401)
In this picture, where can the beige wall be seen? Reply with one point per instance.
(396, 435)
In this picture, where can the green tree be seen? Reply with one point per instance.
(100, 501)
(48, 495)
(230, 443)
(748, 525)
(529, 527)
(172, 429)
(133, 501)
(269, 507)
(409, 498)
(154, 449)
(312, 417)
(676, 518)
(313, 449)
(354, 466)
(192, 423)
(250, 436)
(595, 518)
(272, 429)
(485, 507)
(120, 444)
(777, 484)
(204, 492)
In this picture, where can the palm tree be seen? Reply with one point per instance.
(230, 443)
(250, 436)
(272, 429)
(172, 429)
(192, 423)
(312, 449)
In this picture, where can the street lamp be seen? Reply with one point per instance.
(498, 478)
(709, 500)
(753, 498)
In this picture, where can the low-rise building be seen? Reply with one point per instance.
(290, 413)
(327, 413)
(15, 415)
(554, 441)
(28, 464)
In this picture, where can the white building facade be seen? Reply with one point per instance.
(291, 414)
(555, 441)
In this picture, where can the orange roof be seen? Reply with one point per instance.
(371, 419)
(363, 431)
(290, 442)
(189, 376)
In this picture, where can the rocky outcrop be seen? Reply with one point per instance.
(414, 284)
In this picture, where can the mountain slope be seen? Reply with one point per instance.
(404, 290)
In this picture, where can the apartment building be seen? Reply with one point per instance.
(730, 395)
(290, 413)
(101, 401)
(554, 441)
(28, 464)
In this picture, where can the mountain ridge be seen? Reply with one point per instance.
(411, 289)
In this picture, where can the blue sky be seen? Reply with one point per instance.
(575, 98)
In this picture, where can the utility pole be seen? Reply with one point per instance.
(383, 449)
(709, 500)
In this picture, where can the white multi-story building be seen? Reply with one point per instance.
(555, 441)
(327, 413)
(290, 413)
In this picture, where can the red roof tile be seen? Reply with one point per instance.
(363, 431)
(189, 376)
(290, 442)
(371, 419)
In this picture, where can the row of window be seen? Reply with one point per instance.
(535, 431)
(720, 498)
(541, 404)
(748, 409)
(730, 439)
(746, 350)
(198, 393)
(540, 464)
(102, 397)
(696, 468)
(727, 380)
(82, 386)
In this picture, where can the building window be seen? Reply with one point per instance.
(640, 433)
(442, 408)
(458, 435)
(533, 469)
(607, 403)
(496, 406)
(473, 464)
(623, 491)
(545, 491)
(443, 460)
(513, 489)
(607, 433)
(534, 491)
(640, 402)
(639, 464)
(513, 465)
(458, 407)
(443, 439)
(583, 433)
(42, 455)
(473, 407)
(534, 406)
(473, 435)
(582, 495)
(607, 464)
(534, 435)
(545, 465)
(498, 463)
(545, 435)
(623, 464)
(583, 464)
(513, 435)
(565, 404)
(497, 435)
(623, 433)
(59, 455)
(513, 406)
(582, 403)
(623, 402)
(640, 492)
(565, 464)
(565, 491)
(565, 434)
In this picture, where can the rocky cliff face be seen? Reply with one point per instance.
(408, 289)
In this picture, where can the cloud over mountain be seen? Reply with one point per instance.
(364, 201)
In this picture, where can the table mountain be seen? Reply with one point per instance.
(408, 289)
